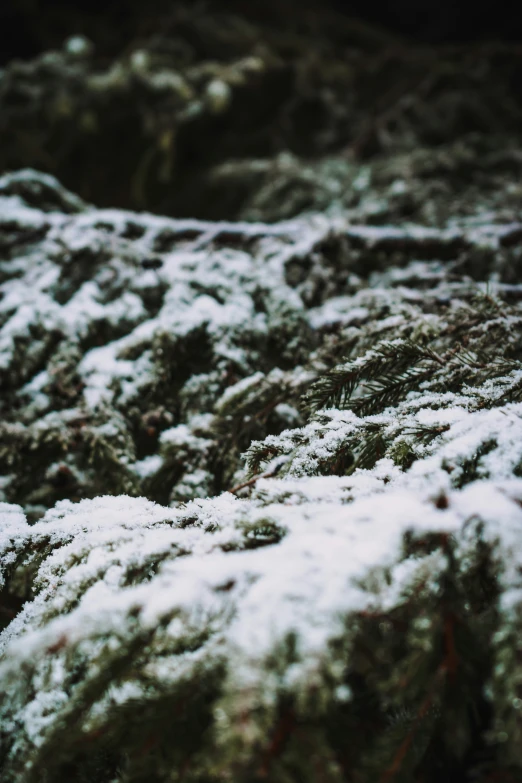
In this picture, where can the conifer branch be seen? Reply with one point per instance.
(387, 371)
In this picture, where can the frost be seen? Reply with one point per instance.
(335, 560)
(361, 558)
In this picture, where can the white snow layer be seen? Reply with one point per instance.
(340, 554)
(229, 579)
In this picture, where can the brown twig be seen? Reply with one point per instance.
(252, 481)
(399, 757)
(282, 731)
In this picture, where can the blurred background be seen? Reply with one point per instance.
(30, 26)
(265, 109)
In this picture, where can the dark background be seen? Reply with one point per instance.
(28, 27)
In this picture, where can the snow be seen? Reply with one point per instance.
(218, 585)
(13, 528)
(306, 585)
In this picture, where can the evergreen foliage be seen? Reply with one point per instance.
(350, 611)
(250, 113)
(323, 408)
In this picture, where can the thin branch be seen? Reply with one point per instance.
(252, 481)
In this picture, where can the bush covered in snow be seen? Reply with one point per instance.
(326, 419)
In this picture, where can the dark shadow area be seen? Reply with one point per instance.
(258, 111)
(28, 27)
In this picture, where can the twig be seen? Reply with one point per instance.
(252, 481)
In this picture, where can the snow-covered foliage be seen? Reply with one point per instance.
(215, 639)
(142, 355)
(350, 611)
(116, 328)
